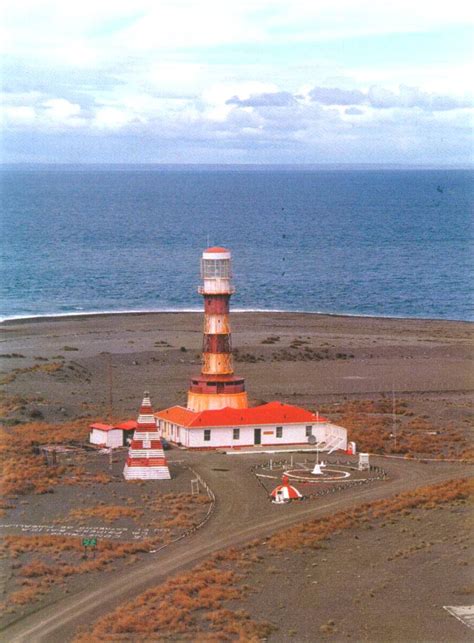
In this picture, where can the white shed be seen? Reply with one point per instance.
(106, 435)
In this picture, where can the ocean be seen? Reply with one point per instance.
(395, 243)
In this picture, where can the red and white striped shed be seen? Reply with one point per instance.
(146, 458)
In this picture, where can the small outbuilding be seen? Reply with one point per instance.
(364, 461)
(128, 428)
(105, 435)
(285, 492)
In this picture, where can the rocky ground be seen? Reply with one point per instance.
(400, 387)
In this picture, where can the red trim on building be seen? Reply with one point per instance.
(146, 462)
(271, 413)
(102, 427)
(128, 425)
(153, 444)
(217, 249)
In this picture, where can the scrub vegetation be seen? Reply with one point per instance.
(205, 604)
(370, 424)
(311, 534)
(190, 606)
(26, 470)
(41, 563)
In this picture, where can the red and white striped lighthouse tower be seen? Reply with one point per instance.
(217, 386)
(146, 458)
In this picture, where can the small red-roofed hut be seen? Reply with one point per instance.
(285, 492)
(105, 435)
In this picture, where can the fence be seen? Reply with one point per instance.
(206, 518)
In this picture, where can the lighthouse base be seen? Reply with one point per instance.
(212, 401)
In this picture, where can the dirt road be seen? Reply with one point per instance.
(242, 513)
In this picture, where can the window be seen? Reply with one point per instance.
(279, 432)
(207, 435)
(309, 430)
(236, 434)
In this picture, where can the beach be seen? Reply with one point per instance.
(99, 365)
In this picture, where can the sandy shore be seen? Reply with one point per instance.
(63, 366)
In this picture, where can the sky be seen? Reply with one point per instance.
(237, 81)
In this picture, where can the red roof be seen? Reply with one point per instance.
(271, 413)
(128, 425)
(216, 249)
(177, 415)
(102, 427)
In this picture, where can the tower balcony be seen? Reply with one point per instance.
(216, 287)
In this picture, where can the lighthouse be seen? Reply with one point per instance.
(216, 387)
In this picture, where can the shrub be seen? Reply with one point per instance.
(190, 604)
(310, 533)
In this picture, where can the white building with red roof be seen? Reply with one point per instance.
(105, 435)
(112, 436)
(271, 424)
(146, 458)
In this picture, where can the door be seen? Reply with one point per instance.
(257, 436)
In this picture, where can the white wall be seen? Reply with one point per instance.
(111, 439)
(223, 436)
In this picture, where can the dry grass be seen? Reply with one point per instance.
(190, 606)
(43, 562)
(107, 513)
(23, 471)
(11, 403)
(193, 605)
(310, 534)
(370, 425)
(50, 369)
(181, 510)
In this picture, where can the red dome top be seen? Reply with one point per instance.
(216, 249)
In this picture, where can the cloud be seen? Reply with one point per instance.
(409, 97)
(353, 111)
(381, 98)
(248, 74)
(147, 24)
(275, 99)
(335, 96)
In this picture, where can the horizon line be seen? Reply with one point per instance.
(257, 166)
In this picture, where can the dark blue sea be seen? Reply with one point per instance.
(359, 242)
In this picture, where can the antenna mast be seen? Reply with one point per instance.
(394, 421)
(110, 383)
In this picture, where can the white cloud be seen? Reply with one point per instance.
(13, 116)
(180, 70)
(147, 25)
(111, 118)
(60, 109)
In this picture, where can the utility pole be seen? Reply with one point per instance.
(394, 420)
(110, 384)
